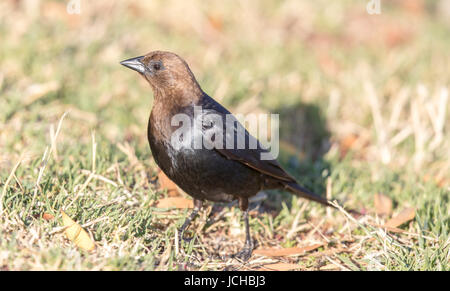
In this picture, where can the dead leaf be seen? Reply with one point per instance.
(47, 216)
(176, 202)
(347, 143)
(216, 21)
(286, 251)
(166, 183)
(77, 234)
(281, 267)
(405, 215)
(383, 204)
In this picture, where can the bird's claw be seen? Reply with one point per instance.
(244, 254)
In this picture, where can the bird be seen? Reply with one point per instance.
(209, 172)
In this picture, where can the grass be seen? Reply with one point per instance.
(363, 103)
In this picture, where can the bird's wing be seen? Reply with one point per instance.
(213, 111)
(248, 156)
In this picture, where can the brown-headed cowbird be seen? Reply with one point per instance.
(208, 172)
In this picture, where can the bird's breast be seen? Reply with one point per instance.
(202, 173)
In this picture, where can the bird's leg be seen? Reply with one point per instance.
(246, 252)
(197, 206)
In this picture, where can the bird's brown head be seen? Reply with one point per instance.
(165, 71)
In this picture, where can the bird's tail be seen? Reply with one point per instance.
(299, 191)
(304, 193)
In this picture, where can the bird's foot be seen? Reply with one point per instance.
(245, 253)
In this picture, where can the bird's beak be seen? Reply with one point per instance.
(134, 64)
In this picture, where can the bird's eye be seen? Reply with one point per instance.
(156, 66)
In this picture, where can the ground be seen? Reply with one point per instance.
(363, 104)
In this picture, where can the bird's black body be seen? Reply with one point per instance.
(203, 173)
(206, 173)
